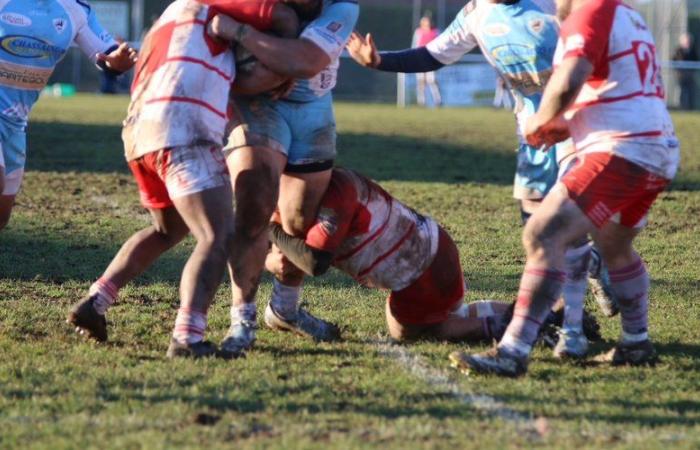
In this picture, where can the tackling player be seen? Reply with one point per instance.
(34, 37)
(607, 90)
(173, 136)
(281, 151)
(518, 39)
(380, 242)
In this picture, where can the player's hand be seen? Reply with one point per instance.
(278, 264)
(363, 50)
(120, 60)
(546, 135)
(226, 28)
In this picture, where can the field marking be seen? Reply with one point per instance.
(440, 380)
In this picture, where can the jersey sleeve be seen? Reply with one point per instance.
(456, 41)
(91, 37)
(586, 33)
(332, 29)
(334, 217)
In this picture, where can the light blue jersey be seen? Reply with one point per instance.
(519, 41)
(330, 31)
(34, 36)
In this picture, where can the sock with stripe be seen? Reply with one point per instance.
(189, 326)
(631, 287)
(245, 312)
(574, 291)
(539, 290)
(106, 294)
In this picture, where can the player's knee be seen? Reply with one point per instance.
(256, 196)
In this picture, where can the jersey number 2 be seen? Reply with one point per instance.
(649, 73)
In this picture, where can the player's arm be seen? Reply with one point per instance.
(260, 80)
(449, 47)
(311, 261)
(101, 48)
(547, 125)
(321, 42)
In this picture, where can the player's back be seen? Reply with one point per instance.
(34, 37)
(181, 84)
(622, 104)
(519, 40)
(388, 245)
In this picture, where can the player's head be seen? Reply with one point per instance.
(306, 9)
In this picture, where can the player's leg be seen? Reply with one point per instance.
(256, 157)
(302, 186)
(13, 154)
(555, 225)
(209, 216)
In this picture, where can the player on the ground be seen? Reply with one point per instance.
(34, 37)
(173, 136)
(518, 39)
(607, 91)
(281, 151)
(365, 232)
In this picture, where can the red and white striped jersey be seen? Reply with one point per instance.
(376, 239)
(621, 108)
(179, 96)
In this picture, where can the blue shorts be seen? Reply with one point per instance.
(304, 132)
(536, 174)
(13, 156)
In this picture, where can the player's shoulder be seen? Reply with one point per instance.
(78, 10)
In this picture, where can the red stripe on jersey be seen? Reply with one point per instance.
(389, 253)
(620, 55)
(615, 99)
(202, 63)
(194, 101)
(374, 236)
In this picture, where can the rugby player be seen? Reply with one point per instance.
(281, 151)
(380, 242)
(518, 39)
(608, 92)
(173, 137)
(34, 37)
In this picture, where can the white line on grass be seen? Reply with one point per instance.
(441, 381)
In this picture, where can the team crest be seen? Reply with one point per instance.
(537, 25)
(59, 24)
(328, 220)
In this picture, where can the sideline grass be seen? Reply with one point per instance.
(79, 203)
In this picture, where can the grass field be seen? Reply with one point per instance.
(79, 204)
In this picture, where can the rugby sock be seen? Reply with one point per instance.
(284, 299)
(245, 312)
(574, 292)
(539, 290)
(189, 326)
(631, 287)
(106, 293)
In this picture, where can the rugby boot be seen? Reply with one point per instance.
(304, 324)
(87, 320)
(202, 349)
(631, 354)
(239, 339)
(599, 282)
(492, 362)
(572, 344)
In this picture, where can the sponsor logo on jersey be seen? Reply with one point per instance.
(334, 27)
(15, 19)
(59, 24)
(496, 29)
(510, 55)
(537, 25)
(328, 220)
(20, 77)
(29, 47)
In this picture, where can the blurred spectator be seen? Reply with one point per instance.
(425, 33)
(686, 51)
